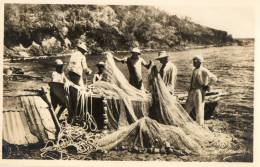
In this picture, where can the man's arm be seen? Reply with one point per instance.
(211, 78)
(85, 66)
(123, 60)
(145, 64)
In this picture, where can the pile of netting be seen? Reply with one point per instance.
(73, 142)
(168, 122)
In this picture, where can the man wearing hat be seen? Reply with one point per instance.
(168, 71)
(58, 75)
(134, 64)
(78, 65)
(201, 79)
(100, 76)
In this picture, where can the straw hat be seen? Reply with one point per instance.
(136, 50)
(58, 62)
(199, 58)
(100, 64)
(161, 55)
(82, 46)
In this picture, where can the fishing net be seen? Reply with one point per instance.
(117, 86)
(169, 123)
(167, 110)
(148, 133)
(115, 76)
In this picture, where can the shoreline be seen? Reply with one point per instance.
(144, 50)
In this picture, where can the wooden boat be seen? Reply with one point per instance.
(28, 118)
(211, 102)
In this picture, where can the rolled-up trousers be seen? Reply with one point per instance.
(196, 99)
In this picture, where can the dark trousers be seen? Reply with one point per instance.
(74, 77)
(137, 84)
(55, 102)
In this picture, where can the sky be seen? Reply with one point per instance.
(237, 20)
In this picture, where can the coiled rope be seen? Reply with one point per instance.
(72, 143)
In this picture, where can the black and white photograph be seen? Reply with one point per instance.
(128, 82)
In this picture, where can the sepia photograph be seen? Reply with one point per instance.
(123, 82)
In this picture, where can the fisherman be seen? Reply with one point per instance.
(201, 79)
(78, 65)
(134, 64)
(59, 77)
(168, 71)
(100, 75)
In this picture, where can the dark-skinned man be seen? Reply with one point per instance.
(168, 71)
(134, 64)
(201, 79)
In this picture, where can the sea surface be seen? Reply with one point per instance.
(234, 67)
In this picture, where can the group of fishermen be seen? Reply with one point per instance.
(201, 78)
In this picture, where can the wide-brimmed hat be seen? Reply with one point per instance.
(100, 64)
(136, 50)
(82, 46)
(59, 62)
(199, 58)
(161, 54)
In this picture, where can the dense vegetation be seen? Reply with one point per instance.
(105, 27)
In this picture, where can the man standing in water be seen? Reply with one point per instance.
(77, 65)
(168, 71)
(201, 79)
(134, 64)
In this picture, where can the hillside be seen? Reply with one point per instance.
(105, 27)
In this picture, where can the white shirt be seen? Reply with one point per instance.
(169, 75)
(57, 77)
(77, 63)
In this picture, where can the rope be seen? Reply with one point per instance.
(72, 143)
(80, 111)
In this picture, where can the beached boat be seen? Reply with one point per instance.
(28, 118)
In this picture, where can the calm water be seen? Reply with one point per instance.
(233, 65)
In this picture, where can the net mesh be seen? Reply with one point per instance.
(118, 86)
